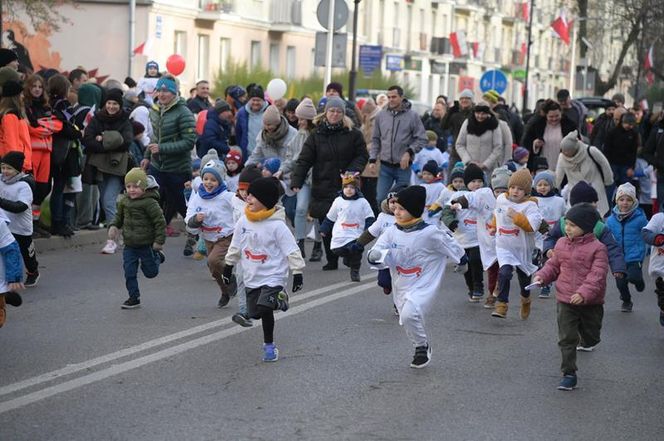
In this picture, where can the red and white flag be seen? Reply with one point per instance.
(649, 61)
(524, 10)
(562, 27)
(459, 44)
(143, 48)
(478, 50)
(522, 53)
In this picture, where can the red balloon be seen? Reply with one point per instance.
(175, 64)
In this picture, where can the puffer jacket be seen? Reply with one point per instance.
(174, 129)
(242, 134)
(215, 135)
(329, 152)
(141, 220)
(628, 234)
(15, 136)
(578, 265)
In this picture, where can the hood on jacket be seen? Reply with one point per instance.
(403, 107)
(247, 107)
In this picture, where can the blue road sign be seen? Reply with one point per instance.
(370, 58)
(493, 80)
(394, 62)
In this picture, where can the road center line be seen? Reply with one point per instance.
(165, 353)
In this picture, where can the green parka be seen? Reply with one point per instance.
(174, 129)
(141, 220)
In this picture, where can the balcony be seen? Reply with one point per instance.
(285, 15)
(213, 9)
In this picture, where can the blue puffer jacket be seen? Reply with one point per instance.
(215, 136)
(628, 234)
(242, 128)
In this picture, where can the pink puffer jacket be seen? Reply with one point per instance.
(578, 265)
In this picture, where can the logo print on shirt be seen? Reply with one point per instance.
(470, 221)
(415, 271)
(508, 231)
(255, 257)
(347, 226)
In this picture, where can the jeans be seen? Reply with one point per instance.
(390, 176)
(109, 189)
(289, 203)
(634, 276)
(149, 262)
(505, 274)
(86, 205)
(301, 211)
(577, 325)
(170, 192)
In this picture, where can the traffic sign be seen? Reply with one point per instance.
(340, 13)
(339, 44)
(493, 80)
(394, 63)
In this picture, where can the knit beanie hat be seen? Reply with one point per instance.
(209, 156)
(541, 163)
(457, 171)
(431, 135)
(467, 93)
(306, 110)
(491, 97)
(292, 104)
(412, 199)
(584, 216)
(522, 180)
(272, 116)
(248, 175)
(500, 178)
(547, 176)
(395, 190)
(336, 87)
(582, 192)
(335, 103)
(137, 176)
(221, 106)
(626, 189)
(168, 85)
(520, 153)
(11, 88)
(272, 164)
(237, 92)
(472, 172)
(8, 74)
(150, 64)
(7, 56)
(431, 167)
(256, 91)
(14, 159)
(234, 155)
(195, 164)
(130, 82)
(266, 190)
(137, 127)
(570, 143)
(350, 178)
(216, 168)
(113, 95)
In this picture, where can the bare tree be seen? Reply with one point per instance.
(41, 12)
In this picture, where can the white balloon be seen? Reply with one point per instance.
(276, 89)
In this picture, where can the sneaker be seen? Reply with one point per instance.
(490, 302)
(472, 299)
(91, 227)
(131, 303)
(525, 308)
(282, 301)
(396, 310)
(545, 292)
(584, 348)
(422, 357)
(172, 232)
(316, 253)
(387, 291)
(161, 255)
(477, 296)
(500, 310)
(110, 247)
(568, 382)
(189, 245)
(354, 275)
(223, 301)
(198, 255)
(330, 266)
(640, 285)
(13, 298)
(626, 307)
(242, 320)
(270, 352)
(31, 279)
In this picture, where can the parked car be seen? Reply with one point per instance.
(596, 105)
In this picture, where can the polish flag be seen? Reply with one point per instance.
(649, 62)
(561, 27)
(143, 48)
(524, 9)
(523, 52)
(478, 50)
(459, 45)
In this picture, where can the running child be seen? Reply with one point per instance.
(234, 166)
(430, 152)
(653, 234)
(434, 187)
(11, 270)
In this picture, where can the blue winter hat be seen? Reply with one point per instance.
(195, 164)
(150, 64)
(272, 165)
(168, 84)
(237, 92)
(547, 176)
(216, 168)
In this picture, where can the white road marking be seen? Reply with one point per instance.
(120, 368)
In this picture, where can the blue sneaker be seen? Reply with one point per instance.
(568, 382)
(545, 293)
(270, 352)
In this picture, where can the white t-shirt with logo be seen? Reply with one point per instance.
(514, 246)
(349, 217)
(218, 222)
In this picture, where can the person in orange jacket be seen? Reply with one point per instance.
(14, 133)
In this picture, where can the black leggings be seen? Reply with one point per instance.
(28, 252)
(329, 255)
(266, 315)
(474, 275)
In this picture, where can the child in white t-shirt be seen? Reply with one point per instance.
(11, 269)
(148, 83)
(430, 152)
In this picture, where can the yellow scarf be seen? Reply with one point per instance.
(410, 223)
(257, 216)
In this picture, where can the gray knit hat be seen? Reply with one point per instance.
(570, 143)
(336, 103)
(467, 93)
(209, 156)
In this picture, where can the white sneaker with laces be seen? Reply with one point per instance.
(110, 247)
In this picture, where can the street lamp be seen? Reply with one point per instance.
(352, 75)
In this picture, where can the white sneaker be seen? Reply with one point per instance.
(110, 247)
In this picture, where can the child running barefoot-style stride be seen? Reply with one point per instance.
(144, 232)
(265, 249)
(579, 266)
(416, 254)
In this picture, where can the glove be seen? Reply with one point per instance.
(113, 233)
(433, 209)
(157, 246)
(297, 282)
(228, 274)
(373, 257)
(355, 247)
(659, 240)
(454, 225)
(544, 227)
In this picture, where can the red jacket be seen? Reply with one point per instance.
(578, 265)
(15, 136)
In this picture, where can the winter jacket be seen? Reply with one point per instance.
(246, 140)
(15, 136)
(581, 111)
(512, 119)
(173, 128)
(141, 220)
(395, 133)
(215, 136)
(197, 104)
(42, 125)
(486, 149)
(653, 150)
(329, 152)
(628, 234)
(535, 130)
(603, 234)
(578, 265)
(621, 145)
(264, 151)
(101, 159)
(603, 124)
(436, 126)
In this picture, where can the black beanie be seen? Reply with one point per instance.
(256, 92)
(7, 56)
(137, 127)
(584, 216)
(249, 175)
(11, 88)
(14, 160)
(471, 173)
(113, 95)
(266, 190)
(582, 192)
(413, 199)
(431, 167)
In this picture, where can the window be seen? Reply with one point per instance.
(290, 62)
(224, 53)
(203, 71)
(274, 58)
(255, 53)
(180, 46)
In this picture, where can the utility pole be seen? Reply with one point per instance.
(329, 45)
(353, 67)
(132, 35)
(529, 44)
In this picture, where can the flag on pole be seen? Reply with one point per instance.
(522, 53)
(478, 50)
(562, 27)
(143, 48)
(649, 62)
(524, 10)
(459, 45)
